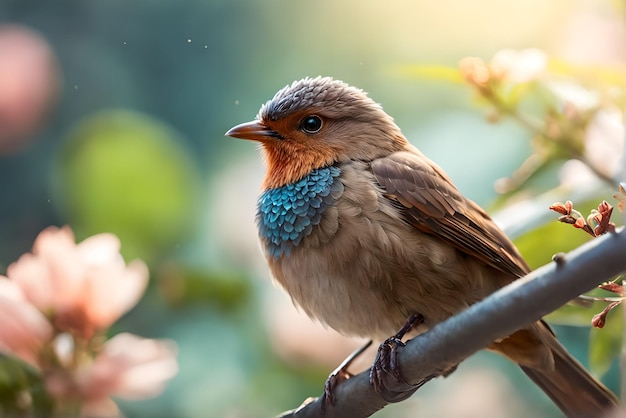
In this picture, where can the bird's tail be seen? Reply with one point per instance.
(570, 386)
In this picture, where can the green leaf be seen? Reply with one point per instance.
(539, 245)
(127, 173)
(22, 392)
(182, 285)
(574, 314)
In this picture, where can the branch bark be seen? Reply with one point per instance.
(522, 302)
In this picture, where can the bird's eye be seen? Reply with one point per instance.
(311, 124)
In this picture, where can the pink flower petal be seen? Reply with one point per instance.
(33, 277)
(10, 290)
(129, 367)
(153, 364)
(101, 408)
(84, 287)
(56, 249)
(114, 291)
(100, 250)
(24, 329)
(50, 277)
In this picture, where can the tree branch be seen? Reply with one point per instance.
(522, 302)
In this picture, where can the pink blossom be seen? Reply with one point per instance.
(53, 302)
(84, 287)
(126, 366)
(23, 329)
(130, 367)
(29, 82)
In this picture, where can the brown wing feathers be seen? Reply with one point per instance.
(432, 204)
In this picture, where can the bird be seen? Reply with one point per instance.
(365, 233)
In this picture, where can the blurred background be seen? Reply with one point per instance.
(112, 118)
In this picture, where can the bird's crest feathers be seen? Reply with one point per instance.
(315, 93)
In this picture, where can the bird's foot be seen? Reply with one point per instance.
(386, 362)
(340, 375)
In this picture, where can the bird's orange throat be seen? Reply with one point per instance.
(288, 162)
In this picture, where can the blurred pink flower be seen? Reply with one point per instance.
(128, 367)
(51, 305)
(83, 287)
(23, 329)
(29, 82)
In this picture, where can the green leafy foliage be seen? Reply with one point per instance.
(21, 390)
(538, 245)
(181, 286)
(126, 173)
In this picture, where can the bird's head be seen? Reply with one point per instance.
(316, 122)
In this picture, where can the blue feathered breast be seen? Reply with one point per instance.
(287, 214)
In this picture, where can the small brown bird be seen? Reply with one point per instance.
(364, 231)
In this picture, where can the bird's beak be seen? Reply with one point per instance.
(254, 131)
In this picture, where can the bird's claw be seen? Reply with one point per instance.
(386, 362)
(336, 378)
(340, 375)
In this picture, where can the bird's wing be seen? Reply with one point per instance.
(432, 204)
